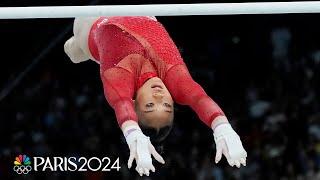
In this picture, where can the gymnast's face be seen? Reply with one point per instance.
(154, 104)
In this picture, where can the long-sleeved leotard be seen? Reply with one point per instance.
(133, 49)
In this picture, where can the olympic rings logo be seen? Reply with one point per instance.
(22, 169)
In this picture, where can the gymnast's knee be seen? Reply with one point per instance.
(73, 50)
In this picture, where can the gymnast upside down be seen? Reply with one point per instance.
(143, 74)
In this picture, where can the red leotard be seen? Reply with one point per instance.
(113, 39)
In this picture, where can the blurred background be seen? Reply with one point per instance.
(263, 70)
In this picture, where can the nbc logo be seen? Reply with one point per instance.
(22, 164)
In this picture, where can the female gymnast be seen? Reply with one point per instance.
(143, 75)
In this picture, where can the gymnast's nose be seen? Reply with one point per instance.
(158, 95)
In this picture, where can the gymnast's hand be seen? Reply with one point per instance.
(141, 149)
(228, 143)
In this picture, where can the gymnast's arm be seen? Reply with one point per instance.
(186, 91)
(118, 85)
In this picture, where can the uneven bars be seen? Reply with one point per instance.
(160, 10)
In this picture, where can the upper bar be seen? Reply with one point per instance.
(160, 10)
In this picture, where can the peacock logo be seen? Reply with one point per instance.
(22, 164)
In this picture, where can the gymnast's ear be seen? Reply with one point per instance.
(75, 53)
(135, 104)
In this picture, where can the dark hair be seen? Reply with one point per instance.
(157, 136)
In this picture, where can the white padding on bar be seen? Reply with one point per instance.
(160, 10)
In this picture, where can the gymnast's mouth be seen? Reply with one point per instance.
(156, 86)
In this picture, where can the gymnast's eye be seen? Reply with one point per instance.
(149, 105)
(167, 105)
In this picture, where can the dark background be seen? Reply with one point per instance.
(263, 70)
